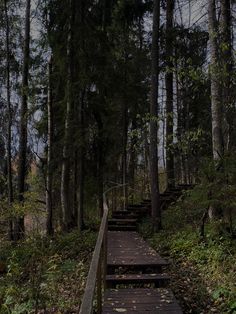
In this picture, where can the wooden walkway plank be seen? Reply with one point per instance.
(140, 300)
(129, 249)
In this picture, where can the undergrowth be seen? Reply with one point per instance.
(210, 260)
(45, 275)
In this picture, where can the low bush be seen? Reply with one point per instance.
(46, 274)
(212, 257)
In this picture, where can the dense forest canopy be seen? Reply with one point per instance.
(117, 98)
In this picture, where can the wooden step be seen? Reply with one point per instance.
(166, 198)
(140, 301)
(122, 221)
(137, 209)
(166, 193)
(146, 205)
(160, 280)
(147, 268)
(127, 251)
(162, 195)
(135, 206)
(175, 191)
(122, 228)
(186, 186)
(124, 215)
(120, 212)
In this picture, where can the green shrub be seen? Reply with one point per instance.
(46, 273)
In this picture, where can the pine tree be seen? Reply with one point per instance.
(19, 225)
(169, 93)
(156, 211)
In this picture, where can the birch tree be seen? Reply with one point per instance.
(216, 105)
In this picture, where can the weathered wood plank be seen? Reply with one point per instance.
(128, 248)
(140, 300)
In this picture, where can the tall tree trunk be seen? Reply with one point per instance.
(81, 152)
(146, 174)
(124, 154)
(49, 178)
(179, 130)
(9, 119)
(227, 66)
(80, 193)
(65, 173)
(155, 198)
(216, 106)
(226, 58)
(75, 188)
(100, 161)
(19, 225)
(100, 164)
(169, 93)
(133, 160)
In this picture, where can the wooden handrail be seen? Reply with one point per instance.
(96, 270)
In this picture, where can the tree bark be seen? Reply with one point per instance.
(216, 106)
(49, 178)
(133, 160)
(19, 225)
(124, 155)
(80, 193)
(169, 93)
(100, 164)
(100, 161)
(9, 119)
(155, 199)
(227, 66)
(65, 173)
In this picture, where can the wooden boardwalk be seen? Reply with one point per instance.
(129, 275)
(135, 279)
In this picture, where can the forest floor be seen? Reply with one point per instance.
(42, 275)
(203, 273)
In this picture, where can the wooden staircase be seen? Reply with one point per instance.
(128, 275)
(126, 220)
(133, 268)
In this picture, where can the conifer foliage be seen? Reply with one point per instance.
(100, 95)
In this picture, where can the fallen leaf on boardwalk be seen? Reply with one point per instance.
(120, 310)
